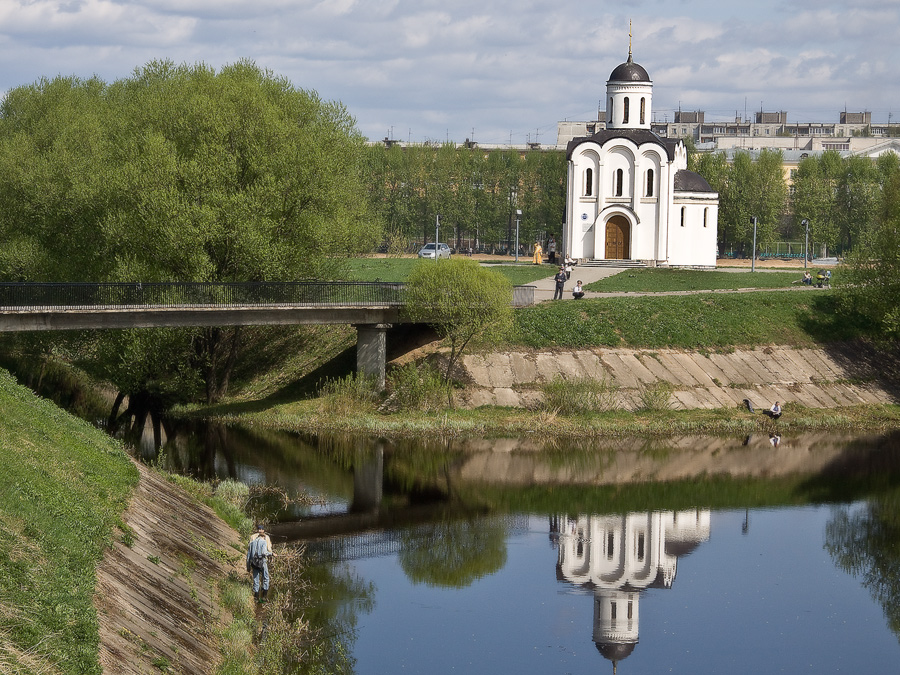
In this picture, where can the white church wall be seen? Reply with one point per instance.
(692, 239)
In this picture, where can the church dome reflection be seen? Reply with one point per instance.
(617, 557)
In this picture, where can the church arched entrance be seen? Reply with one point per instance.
(617, 238)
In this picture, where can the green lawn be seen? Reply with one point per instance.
(701, 321)
(398, 269)
(63, 486)
(658, 280)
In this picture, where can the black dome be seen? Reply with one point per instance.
(688, 181)
(629, 72)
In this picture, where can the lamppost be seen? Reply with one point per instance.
(753, 254)
(805, 224)
(437, 227)
(518, 218)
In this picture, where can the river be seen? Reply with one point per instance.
(684, 555)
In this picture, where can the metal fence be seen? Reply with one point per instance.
(190, 294)
(43, 296)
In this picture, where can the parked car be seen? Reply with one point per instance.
(427, 251)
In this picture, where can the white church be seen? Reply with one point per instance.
(630, 195)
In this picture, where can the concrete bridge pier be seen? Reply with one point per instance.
(371, 350)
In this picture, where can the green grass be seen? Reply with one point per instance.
(398, 269)
(63, 486)
(702, 321)
(660, 280)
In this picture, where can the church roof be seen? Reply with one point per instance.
(629, 72)
(688, 181)
(637, 136)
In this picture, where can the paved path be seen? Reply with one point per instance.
(544, 288)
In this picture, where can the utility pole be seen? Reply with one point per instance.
(753, 254)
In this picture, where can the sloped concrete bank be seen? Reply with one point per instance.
(156, 591)
(842, 375)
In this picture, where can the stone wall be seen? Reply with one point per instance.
(818, 378)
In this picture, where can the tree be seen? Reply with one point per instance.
(870, 285)
(179, 173)
(461, 299)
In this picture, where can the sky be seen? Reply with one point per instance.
(493, 71)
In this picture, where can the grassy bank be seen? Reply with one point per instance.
(398, 269)
(63, 486)
(310, 416)
(711, 321)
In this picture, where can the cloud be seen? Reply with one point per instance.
(499, 67)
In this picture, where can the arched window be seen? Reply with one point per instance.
(705, 216)
(612, 109)
(620, 179)
(643, 109)
(588, 182)
(649, 182)
(683, 211)
(625, 111)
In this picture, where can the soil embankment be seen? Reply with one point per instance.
(156, 590)
(828, 377)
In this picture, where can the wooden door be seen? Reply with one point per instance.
(617, 229)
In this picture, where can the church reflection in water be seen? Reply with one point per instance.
(618, 557)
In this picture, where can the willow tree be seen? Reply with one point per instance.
(179, 173)
(461, 299)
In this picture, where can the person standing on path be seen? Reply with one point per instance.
(560, 280)
(551, 251)
(538, 253)
(258, 553)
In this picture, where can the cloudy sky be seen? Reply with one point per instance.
(498, 71)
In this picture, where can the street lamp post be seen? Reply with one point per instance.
(753, 254)
(805, 224)
(518, 218)
(437, 227)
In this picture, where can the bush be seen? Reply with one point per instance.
(580, 395)
(656, 397)
(418, 387)
(353, 393)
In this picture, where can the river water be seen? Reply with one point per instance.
(689, 555)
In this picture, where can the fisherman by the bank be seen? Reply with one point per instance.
(258, 552)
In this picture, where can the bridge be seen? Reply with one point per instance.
(372, 307)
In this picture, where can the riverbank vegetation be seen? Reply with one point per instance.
(63, 488)
(663, 280)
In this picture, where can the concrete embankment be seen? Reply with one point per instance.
(841, 375)
(156, 590)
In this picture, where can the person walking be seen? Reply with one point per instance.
(560, 280)
(258, 553)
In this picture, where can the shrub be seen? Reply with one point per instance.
(656, 397)
(419, 387)
(580, 395)
(352, 393)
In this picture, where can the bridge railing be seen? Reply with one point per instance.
(198, 294)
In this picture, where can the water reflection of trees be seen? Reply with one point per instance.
(454, 554)
(332, 598)
(865, 542)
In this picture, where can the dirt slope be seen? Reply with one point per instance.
(156, 596)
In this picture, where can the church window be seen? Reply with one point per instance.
(612, 110)
(630, 610)
(610, 540)
(620, 179)
(649, 182)
(705, 216)
(588, 182)
(640, 547)
(612, 611)
(625, 111)
(683, 211)
(643, 109)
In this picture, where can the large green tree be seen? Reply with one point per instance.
(179, 173)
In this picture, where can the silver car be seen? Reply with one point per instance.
(427, 251)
